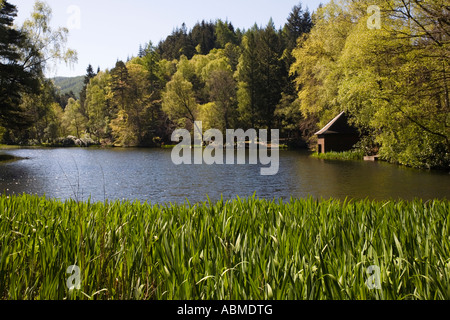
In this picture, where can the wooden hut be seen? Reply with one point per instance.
(338, 135)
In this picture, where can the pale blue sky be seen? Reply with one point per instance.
(113, 29)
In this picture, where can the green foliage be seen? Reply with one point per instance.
(262, 76)
(346, 155)
(406, 107)
(129, 128)
(222, 89)
(204, 37)
(87, 78)
(98, 100)
(16, 77)
(123, 105)
(247, 75)
(245, 249)
(289, 116)
(45, 45)
(298, 23)
(392, 81)
(74, 122)
(225, 34)
(315, 64)
(43, 112)
(179, 101)
(26, 98)
(206, 74)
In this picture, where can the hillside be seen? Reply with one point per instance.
(67, 84)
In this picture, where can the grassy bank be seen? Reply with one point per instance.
(8, 147)
(242, 249)
(346, 155)
(8, 157)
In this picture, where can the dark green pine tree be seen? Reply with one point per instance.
(177, 44)
(288, 114)
(87, 78)
(89, 75)
(14, 78)
(141, 52)
(204, 35)
(225, 34)
(151, 60)
(272, 73)
(298, 23)
(249, 73)
(119, 84)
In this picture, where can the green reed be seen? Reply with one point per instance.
(345, 155)
(239, 249)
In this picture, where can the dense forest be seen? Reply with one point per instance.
(392, 79)
(70, 85)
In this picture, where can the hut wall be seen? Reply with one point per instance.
(336, 142)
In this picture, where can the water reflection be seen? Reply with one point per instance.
(150, 175)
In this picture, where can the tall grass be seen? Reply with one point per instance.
(241, 249)
(7, 147)
(345, 155)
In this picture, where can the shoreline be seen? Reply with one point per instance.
(18, 147)
(10, 158)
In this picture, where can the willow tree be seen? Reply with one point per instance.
(178, 101)
(315, 66)
(73, 120)
(392, 79)
(216, 71)
(396, 82)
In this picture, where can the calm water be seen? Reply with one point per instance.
(149, 175)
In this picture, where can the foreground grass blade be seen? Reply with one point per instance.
(241, 249)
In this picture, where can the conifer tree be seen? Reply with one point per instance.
(15, 79)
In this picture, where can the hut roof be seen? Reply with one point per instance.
(338, 125)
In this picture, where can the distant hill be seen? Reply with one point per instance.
(67, 84)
